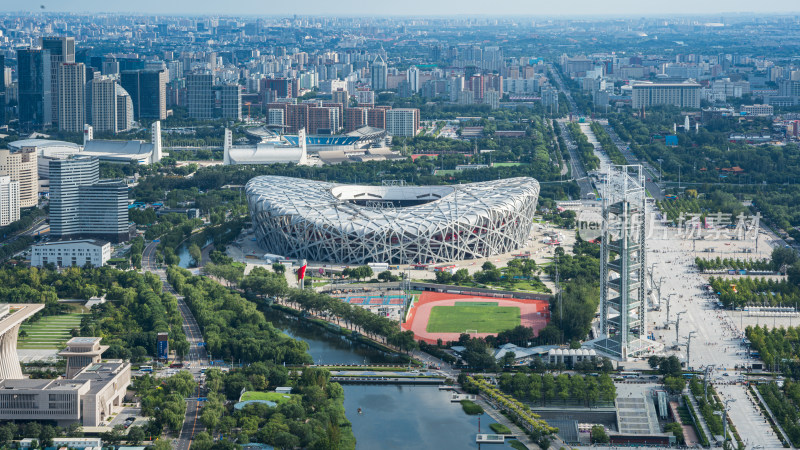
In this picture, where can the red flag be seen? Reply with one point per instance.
(301, 272)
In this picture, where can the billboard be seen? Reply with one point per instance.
(162, 346)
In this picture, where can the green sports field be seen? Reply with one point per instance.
(485, 317)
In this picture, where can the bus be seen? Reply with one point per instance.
(145, 368)
(629, 374)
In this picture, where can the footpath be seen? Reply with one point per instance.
(700, 418)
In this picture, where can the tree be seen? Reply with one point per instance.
(488, 266)
(135, 435)
(783, 256)
(508, 359)
(674, 385)
(162, 444)
(196, 254)
(599, 435)
(279, 268)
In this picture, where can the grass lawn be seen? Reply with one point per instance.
(499, 428)
(50, 332)
(271, 396)
(486, 317)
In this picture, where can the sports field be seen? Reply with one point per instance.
(479, 317)
(445, 316)
(50, 332)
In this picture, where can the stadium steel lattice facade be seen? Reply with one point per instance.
(353, 224)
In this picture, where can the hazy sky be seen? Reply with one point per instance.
(409, 7)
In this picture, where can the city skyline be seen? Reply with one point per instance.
(580, 8)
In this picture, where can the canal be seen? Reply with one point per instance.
(393, 417)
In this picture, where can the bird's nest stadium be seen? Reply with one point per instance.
(351, 224)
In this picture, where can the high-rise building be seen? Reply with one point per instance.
(9, 200)
(82, 205)
(35, 89)
(296, 118)
(22, 167)
(376, 117)
(103, 210)
(66, 175)
(282, 87)
(323, 120)
(412, 76)
(365, 97)
(200, 95)
(354, 118)
(61, 50)
(341, 96)
(380, 74)
(3, 101)
(275, 116)
(231, 101)
(112, 107)
(148, 91)
(492, 98)
(402, 122)
(71, 97)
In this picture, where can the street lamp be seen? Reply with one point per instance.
(659, 169)
(689, 347)
(724, 414)
(668, 298)
(677, 325)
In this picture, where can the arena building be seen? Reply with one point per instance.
(353, 224)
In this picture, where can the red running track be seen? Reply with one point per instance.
(533, 313)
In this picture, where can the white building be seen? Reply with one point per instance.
(683, 95)
(365, 97)
(20, 165)
(492, 98)
(758, 110)
(69, 442)
(112, 107)
(275, 116)
(412, 76)
(71, 253)
(520, 85)
(402, 122)
(71, 97)
(9, 201)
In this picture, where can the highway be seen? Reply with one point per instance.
(197, 357)
(653, 188)
(576, 165)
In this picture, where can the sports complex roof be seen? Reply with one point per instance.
(324, 221)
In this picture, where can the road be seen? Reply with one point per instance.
(652, 187)
(197, 357)
(576, 164)
(655, 189)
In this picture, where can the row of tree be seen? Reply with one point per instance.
(759, 291)
(547, 388)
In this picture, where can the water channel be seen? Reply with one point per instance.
(393, 417)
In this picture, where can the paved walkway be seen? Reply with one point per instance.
(769, 411)
(503, 420)
(689, 436)
(700, 419)
(747, 417)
